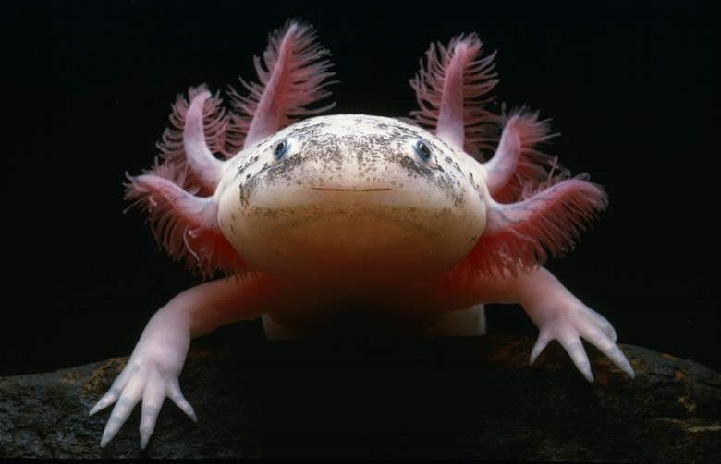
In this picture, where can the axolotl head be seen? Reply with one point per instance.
(369, 195)
(350, 192)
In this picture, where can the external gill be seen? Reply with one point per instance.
(177, 192)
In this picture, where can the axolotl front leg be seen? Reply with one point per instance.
(558, 313)
(152, 371)
(561, 316)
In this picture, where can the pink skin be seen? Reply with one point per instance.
(533, 209)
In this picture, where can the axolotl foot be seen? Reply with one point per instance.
(568, 325)
(150, 376)
(140, 382)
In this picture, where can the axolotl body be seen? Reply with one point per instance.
(352, 223)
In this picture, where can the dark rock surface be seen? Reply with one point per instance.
(449, 398)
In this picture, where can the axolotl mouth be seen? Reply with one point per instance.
(332, 189)
(331, 230)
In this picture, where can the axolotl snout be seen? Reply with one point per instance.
(348, 223)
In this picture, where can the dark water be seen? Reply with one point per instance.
(87, 89)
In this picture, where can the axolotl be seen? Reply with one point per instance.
(352, 223)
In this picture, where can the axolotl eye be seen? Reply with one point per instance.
(281, 148)
(423, 150)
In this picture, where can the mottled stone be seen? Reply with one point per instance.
(448, 398)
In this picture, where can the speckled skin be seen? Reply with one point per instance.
(352, 224)
(351, 181)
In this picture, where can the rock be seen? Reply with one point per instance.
(451, 398)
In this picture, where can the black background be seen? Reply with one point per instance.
(86, 94)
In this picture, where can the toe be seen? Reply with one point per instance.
(607, 345)
(615, 354)
(540, 345)
(173, 392)
(128, 399)
(153, 397)
(107, 399)
(578, 355)
(115, 389)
